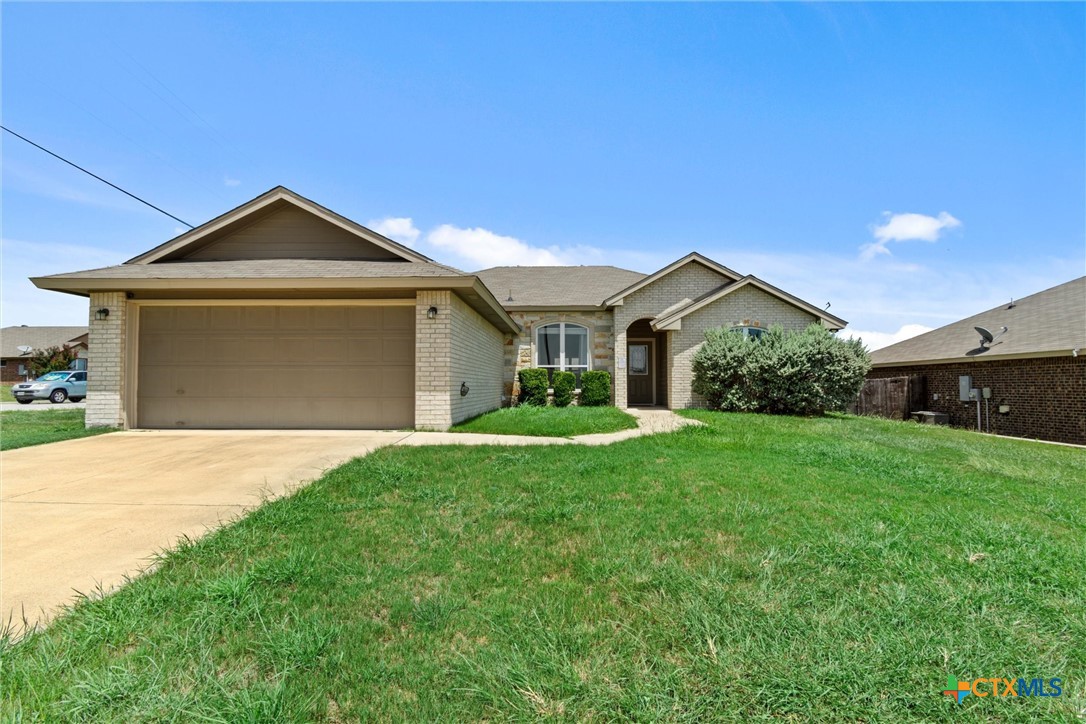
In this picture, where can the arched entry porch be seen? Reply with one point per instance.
(646, 365)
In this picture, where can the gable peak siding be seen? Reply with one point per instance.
(288, 233)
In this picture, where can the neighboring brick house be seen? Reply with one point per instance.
(283, 314)
(14, 361)
(1035, 371)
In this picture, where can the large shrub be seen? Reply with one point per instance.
(533, 387)
(51, 360)
(783, 373)
(595, 388)
(564, 384)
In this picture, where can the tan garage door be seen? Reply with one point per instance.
(286, 367)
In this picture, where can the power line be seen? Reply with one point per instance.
(108, 183)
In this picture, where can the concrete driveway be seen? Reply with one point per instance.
(81, 513)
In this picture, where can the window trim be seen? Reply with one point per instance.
(562, 346)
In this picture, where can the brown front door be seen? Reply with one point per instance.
(639, 374)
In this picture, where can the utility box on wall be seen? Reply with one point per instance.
(965, 387)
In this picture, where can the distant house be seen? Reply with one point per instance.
(13, 360)
(1035, 371)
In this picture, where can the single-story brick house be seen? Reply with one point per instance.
(1035, 371)
(14, 362)
(284, 314)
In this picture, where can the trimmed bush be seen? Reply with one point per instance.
(780, 373)
(595, 388)
(533, 387)
(564, 384)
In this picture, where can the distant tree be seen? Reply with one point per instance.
(50, 360)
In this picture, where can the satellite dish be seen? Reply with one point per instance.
(986, 337)
(25, 349)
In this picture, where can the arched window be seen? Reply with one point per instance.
(563, 346)
(748, 331)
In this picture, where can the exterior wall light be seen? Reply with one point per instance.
(431, 313)
(464, 389)
(102, 313)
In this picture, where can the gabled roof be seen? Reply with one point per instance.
(564, 287)
(1046, 324)
(691, 258)
(254, 209)
(665, 321)
(11, 338)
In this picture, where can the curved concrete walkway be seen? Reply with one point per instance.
(85, 515)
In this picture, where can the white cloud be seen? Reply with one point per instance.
(878, 340)
(479, 248)
(906, 227)
(397, 228)
(231, 182)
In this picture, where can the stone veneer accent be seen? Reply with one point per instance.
(1047, 395)
(106, 356)
(458, 346)
(520, 349)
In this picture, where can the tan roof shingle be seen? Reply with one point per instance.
(556, 286)
(11, 338)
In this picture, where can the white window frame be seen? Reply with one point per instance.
(562, 366)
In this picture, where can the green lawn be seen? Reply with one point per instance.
(5, 392)
(791, 569)
(549, 421)
(20, 428)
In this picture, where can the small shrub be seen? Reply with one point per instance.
(595, 388)
(51, 360)
(782, 373)
(533, 387)
(564, 384)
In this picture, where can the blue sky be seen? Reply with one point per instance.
(911, 164)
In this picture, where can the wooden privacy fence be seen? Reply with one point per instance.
(893, 397)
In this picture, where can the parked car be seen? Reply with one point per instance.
(53, 386)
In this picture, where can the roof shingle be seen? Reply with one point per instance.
(1046, 322)
(556, 286)
(11, 338)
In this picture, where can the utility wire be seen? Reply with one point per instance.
(108, 183)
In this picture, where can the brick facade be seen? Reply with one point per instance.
(457, 346)
(748, 306)
(106, 361)
(1046, 395)
(687, 282)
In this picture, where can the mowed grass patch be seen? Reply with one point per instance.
(5, 392)
(549, 421)
(20, 428)
(755, 568)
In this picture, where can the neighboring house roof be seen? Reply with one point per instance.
(11, 338)
(1045, 324)
(566, 287)
(250, 210)
(669, 318)
(691, 258)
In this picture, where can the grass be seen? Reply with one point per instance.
(19, 428)
(833, 569)
(5, 392)
(549, 421)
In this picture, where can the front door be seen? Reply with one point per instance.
(640, 388)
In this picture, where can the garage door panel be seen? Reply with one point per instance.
(398, 318)
(275, 367)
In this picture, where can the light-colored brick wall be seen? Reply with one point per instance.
(520, 349)
(433, 350)
(477, 360)
(747, 306)
(106, 361)
(455, 347)
(687, 282)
